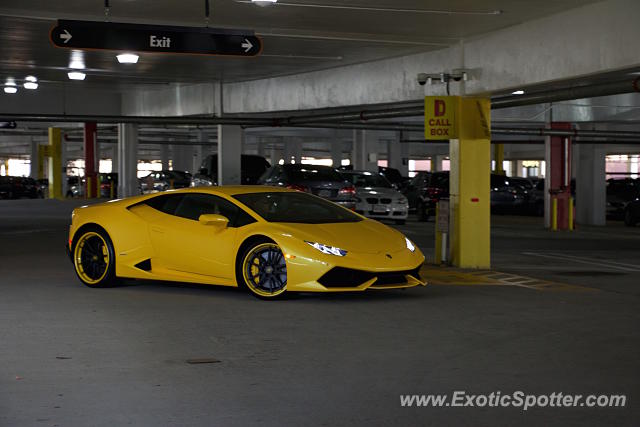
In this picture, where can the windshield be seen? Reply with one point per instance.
(296, 207)
(367, 179)
(313, 173)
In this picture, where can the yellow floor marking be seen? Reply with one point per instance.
(450, 276)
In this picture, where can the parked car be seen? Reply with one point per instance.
(164, 180)
(393, 176)
(323, 181)
(16, 187)
(620, 192)
(43, 187)
(507, 196)
(75, 186)
(376, 198)
(252, 167)
(425, 190)
(632, 211)
(106, 180)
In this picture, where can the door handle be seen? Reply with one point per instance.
(157, 229)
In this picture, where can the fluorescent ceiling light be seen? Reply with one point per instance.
(76, 75)
(127, 58)
(10, 89)
(263, 2)
(31, 79)
(518, 92)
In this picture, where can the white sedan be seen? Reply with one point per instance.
(376, 198)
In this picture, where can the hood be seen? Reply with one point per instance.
(366, 236)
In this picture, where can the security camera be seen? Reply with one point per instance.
(423, 78)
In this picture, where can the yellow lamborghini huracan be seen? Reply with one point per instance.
(265, 239)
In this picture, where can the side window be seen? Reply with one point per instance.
(166, 203)
(195, 204)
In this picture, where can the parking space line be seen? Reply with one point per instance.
(584, 260)
(448, 276)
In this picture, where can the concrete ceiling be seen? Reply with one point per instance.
(296, 38)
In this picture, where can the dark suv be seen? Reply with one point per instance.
(322, 181)
(425, 190)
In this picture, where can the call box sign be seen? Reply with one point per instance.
(440, 117)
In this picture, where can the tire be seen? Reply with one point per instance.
(400, 221)
(94, 259)
(262, 270)
(629, 220)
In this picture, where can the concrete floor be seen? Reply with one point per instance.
(74, 356)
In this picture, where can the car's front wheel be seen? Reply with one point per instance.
(94, 258)
(264, 270)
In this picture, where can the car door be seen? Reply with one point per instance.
(183, 244)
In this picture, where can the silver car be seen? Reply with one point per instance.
(376, 198)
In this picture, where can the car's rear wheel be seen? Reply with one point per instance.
(264, 270)
(94, 258)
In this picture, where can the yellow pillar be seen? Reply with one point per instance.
(470, 197)
(498, 157)
(571, 213)
(55, 163)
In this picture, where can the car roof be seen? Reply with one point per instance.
(231, 190)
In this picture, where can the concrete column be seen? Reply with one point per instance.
(33, 172)
(398, 155)
(365, 150)
(437, 163)
(274, 156)
(296, 149)
(288, 150)
(336, 151)
(164, 156)
(128, 160)
(229, 154)
(182, 156)
(591, 186)
(114, 158)
(57, 174)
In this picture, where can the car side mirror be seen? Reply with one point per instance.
(217, 221)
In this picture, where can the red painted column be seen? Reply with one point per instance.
(560, 176)
(90, 130)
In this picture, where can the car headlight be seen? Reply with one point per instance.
(410, 245)
(402, 201)
(325, 249)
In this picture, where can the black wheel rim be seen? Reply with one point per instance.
(92, 258)
(266, 269)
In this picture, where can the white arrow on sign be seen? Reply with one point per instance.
(246, 45)
(66, 36)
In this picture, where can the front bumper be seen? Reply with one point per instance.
(308, 271)
(390, 211)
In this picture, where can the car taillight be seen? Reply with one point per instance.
(298, 187)
(103, 186)
(348, 191)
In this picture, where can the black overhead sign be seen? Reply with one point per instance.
(154, 38)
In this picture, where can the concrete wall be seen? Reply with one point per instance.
(174, 100)
(62, 99)
(592, 39)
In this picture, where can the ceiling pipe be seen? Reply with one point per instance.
(576, 133)
(63, 118)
